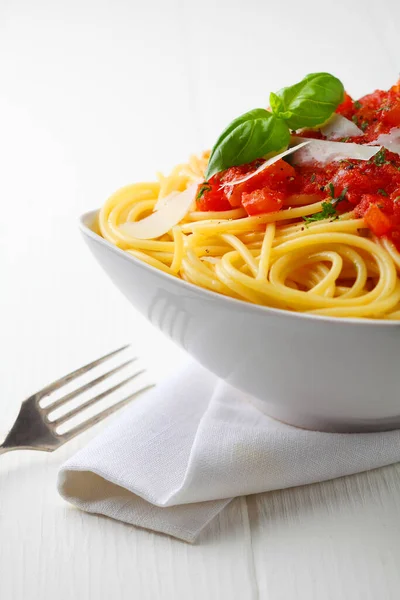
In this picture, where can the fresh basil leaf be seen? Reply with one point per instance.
(277, 107)
(250, 136)
(275, 103)
(310, 102)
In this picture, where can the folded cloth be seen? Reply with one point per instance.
(177, 456)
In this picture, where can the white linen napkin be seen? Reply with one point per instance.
(176, 457)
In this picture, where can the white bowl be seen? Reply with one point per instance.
(309, 371)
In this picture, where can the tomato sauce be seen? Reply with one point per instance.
(369, 188)
(374, 114)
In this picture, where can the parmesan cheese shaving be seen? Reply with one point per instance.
(325, 152)
(165, 200)
(339, 127)
(390, 140)
(162, 220)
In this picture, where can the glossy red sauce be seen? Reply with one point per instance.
(375, 113)
(370, 188)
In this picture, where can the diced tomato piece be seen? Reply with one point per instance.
(280, 176)
(234, 193)
(280, 173)
(392, 116)
(367, 200)
(210, 197)
(355, 182)
(262, 201)
(346, 107)
(237, 172)
(377, 221)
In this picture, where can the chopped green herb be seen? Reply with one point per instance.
(342, 195)
(357, 104)
(312, 178)
(364, 125)
(397, 199)
(380, 157)
(382, 192)
(328, 211)
(345, 139)
(354, 118)
(205, 187)
(384, 108)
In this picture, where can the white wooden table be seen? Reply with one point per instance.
(95, 94)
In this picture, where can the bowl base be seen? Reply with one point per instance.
(325, 423)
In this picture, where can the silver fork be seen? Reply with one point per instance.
(33, 430)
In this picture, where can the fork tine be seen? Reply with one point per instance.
(82, 407)
(52, 407)
(103, 414)
(77, 373)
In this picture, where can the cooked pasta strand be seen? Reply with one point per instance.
(325, 267)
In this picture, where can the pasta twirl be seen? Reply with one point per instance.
(326, 267)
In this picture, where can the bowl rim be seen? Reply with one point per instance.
(242, 304)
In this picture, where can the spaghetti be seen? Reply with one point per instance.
(277, 259)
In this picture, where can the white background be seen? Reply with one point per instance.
(95, 94)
